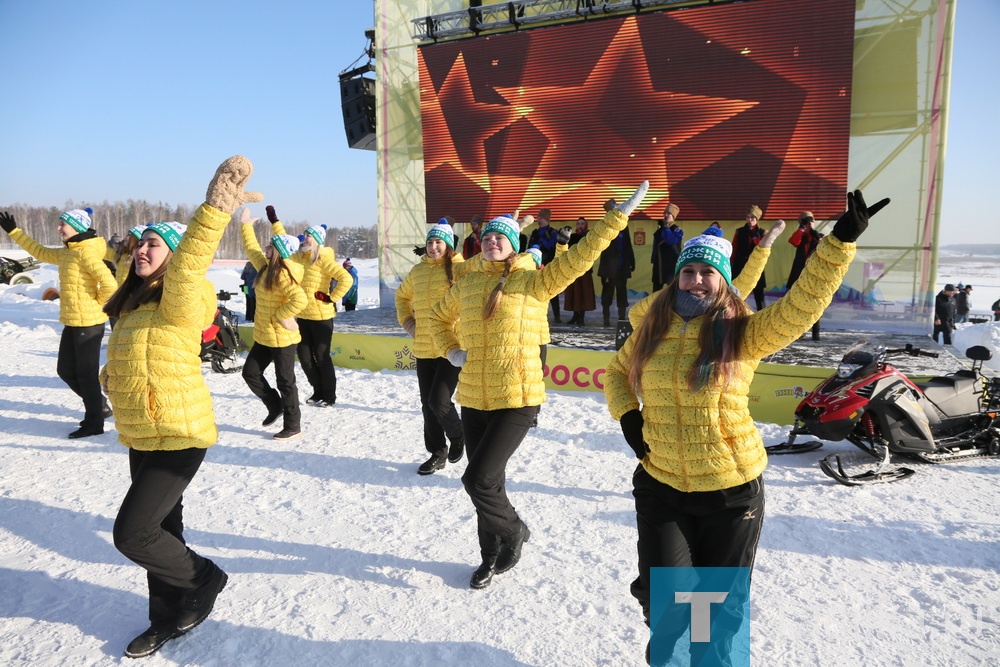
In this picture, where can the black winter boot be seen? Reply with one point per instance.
(510, 549)
(198, 603)
(456, 451)
(432, 465)
(150, 641)
(483, 575)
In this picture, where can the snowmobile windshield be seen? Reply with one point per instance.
(859, 360)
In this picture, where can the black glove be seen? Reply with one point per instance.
(562, 238)
(7, 222)
(322, 296)
(854, 221)
(419, 250)
(632, 422)
(271, 215)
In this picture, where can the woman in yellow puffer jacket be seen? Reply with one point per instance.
(275, 332)
(121, 254)
(162, 406)
(85, 284)
(500, 327)
(320, 268)
(439, 268)
(698, 490)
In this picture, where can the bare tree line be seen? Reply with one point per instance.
(112, 218)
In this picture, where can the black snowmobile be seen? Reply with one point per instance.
(875, 407)
(220, 342)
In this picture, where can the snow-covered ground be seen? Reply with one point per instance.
(340, 554)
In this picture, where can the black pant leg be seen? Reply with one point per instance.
(440, 399)
(621, 292)
(284, 379)
(79, 365)
(322, 340)
(499, 433)
(148, 528)
(434, 441)
(307, 355)
(258, 359)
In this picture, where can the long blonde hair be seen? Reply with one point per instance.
(493, 300)
(720, 339)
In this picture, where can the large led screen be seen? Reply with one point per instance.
(719, 107)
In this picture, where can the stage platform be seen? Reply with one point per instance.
(371, 339)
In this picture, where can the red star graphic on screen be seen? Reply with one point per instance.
(716, 106)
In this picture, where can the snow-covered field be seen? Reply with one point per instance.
(340, 554)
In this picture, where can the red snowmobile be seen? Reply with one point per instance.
(877, 408)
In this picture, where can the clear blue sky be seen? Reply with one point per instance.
(118, 100)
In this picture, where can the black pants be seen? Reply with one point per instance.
(437, 380)
(78, 366)
(149, 528)
(251, 307)
(697, 529)
(286, 395)
(943, 329)
(616, 286)
(314, 355)
(491, 438)
(350, 306)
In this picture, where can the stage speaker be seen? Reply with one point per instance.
(357, 97)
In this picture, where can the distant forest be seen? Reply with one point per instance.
(118, 217)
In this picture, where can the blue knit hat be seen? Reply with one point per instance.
(712, 230)
(442, 230)
(507, 226)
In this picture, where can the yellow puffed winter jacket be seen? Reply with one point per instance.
(85, 282)
(316, 277)
(707, 440)
(287, 301)
(153, 375)
(744, 283)
(423, 287)
(503, 368)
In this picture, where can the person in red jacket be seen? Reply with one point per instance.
(805, 239)
(473, 242)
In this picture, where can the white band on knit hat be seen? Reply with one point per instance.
(170, 232)
(318, 232)
(711, 250)
(443, 231)
(78, 219)
(506, 226)
(286, 245)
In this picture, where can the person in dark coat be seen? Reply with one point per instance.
(248, 276)
(744, 241)
(805, 239)
(963, 303)
(666, 247)
(579, 297)
(615, 268)
(944, 313)
(544, 237)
